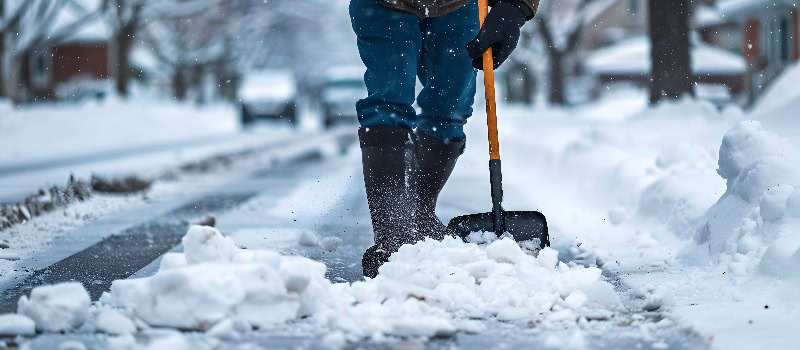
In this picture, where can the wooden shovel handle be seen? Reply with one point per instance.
(488, 84)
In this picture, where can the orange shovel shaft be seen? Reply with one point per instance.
(488, 84)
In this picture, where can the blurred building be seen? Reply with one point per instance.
(739, 44)
(68, 56)
(765, 32)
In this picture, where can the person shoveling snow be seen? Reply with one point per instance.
(407, 158)
(431, 288)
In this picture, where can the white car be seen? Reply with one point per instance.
(268, 94)
(342, 87)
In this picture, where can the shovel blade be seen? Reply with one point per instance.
(522, 225)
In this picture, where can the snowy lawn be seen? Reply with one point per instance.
(47, 132)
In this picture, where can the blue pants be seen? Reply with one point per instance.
(397, 47)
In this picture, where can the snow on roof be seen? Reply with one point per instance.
(143, 57)
(632, 56)
(739, 8)
(707, 16)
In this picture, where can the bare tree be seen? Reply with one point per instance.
(126, 19)
(224, 38)
(670, 52)
(561, 35)
(33, 23)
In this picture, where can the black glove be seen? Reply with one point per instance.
(500, 32)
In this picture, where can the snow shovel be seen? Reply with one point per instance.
(522, 225)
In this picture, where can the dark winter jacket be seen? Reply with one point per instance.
(433, 8)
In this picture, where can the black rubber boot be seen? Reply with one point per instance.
(387, 155)
(435, 160)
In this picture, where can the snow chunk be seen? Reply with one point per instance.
(13, 325)
(773, 202)
(71, 345)
(58, 307)
(113, 322)
(172, 260)
(658, 298)
(308, 239)
(330, 244)
(505, 251)
(207, 244)
(745, 144)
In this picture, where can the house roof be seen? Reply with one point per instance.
(741, 8)
(632, 57)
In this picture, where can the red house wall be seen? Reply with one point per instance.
(752, 40)
(80, 59)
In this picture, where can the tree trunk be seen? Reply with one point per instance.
(2, 50)
(180, 83)
(2, 60)
(124, 43)
(670, 52)
(557, 96)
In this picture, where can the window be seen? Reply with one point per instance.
(785, 39)
(777, 39)
(633, 7)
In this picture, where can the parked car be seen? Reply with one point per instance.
(268, 94)
(342, 87)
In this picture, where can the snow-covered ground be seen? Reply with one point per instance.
(45, 132)
(42, 145)
(694, 210)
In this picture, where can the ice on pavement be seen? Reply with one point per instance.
(428, 289)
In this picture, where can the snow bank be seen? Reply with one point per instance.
(783, 91)
(755, 225)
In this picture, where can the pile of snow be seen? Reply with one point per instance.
(429, 289)
(755, 226)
